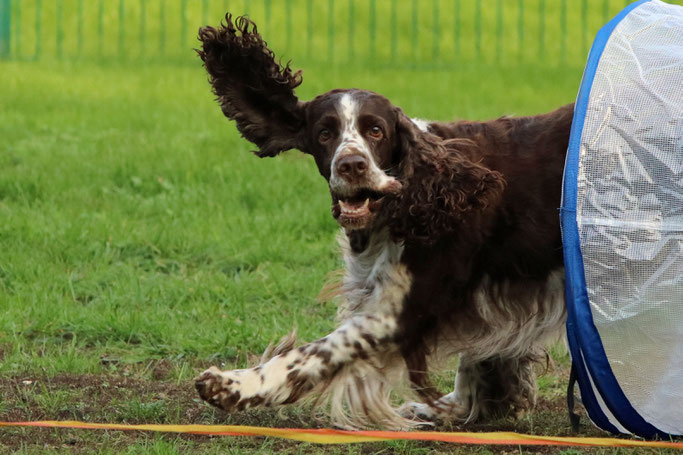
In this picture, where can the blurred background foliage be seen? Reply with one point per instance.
(390, 32)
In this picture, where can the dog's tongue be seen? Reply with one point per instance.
(354, 209)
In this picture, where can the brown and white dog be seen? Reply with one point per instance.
(450, 235)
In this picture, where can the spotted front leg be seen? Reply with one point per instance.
(289, 376)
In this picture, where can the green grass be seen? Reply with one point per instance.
(142, 242)
(135, 224)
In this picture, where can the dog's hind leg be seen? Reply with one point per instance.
(506, 387)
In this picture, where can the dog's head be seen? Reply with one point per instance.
(380, 166)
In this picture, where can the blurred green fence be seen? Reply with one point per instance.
(416, 32)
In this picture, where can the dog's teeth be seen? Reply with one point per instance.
(354, 209)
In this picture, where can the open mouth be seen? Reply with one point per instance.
(357, 210)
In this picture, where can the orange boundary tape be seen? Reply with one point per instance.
(330, 436)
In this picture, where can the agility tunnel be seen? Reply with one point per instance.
(622, 224)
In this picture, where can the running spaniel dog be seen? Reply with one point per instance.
(450, 235)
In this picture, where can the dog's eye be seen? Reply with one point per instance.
(324, 135)
(376, 132)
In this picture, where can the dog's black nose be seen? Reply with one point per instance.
(352, 167)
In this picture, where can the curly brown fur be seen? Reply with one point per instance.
(442, 187)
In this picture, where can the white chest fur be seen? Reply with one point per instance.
(374, 280)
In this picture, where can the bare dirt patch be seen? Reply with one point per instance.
(121, 399)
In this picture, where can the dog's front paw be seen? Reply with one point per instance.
(226, 389)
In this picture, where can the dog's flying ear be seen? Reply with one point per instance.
(252, 88)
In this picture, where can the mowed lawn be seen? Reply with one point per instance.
(141, 242)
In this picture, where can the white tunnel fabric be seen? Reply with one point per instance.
(623, 194)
